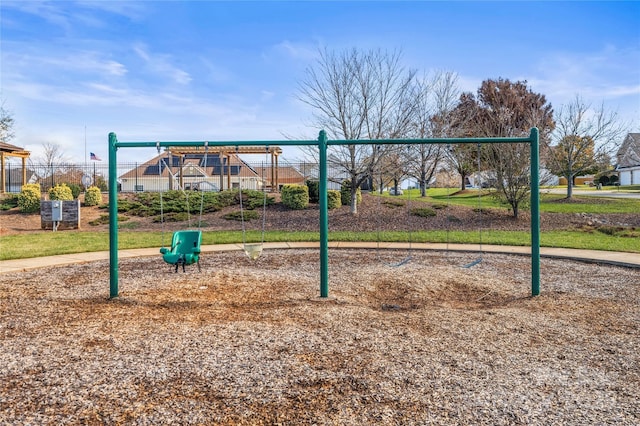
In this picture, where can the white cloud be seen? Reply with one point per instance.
(303, 51)
(141, 51)
(129, 9)
(606, 74)
(32, 61)
(161, 65)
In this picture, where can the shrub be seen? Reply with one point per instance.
(29, 198)
(172, 217)
(61, 192)
(75, 190)
(423, 212)
(252, 198)
(333, 199)
(393, 203)
(93, 196)
(237, 215)
(295, 197)
(345, 193)
(314, 191)
(9, 202)
(104, 219)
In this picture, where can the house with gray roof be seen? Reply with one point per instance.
(628, 159)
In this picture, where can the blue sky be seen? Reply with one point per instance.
(209, 70)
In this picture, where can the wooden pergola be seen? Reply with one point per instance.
(228, 151)
(8, 150)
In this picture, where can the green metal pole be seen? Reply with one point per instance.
(324, 217)
(535, 211)
(113, 217)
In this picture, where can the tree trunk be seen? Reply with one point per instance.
(354, 200)
(570, 177)
(423, 184)
(569, 188)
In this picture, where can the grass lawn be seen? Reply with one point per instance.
(549, 203)
(50, 243)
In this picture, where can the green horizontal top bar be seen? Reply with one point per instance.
(428, 141)
(313, 142)
(146, 144)
(143, 144)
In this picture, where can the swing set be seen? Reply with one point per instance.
(253, 250)
(187, 243)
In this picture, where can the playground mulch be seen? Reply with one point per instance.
(250, 343)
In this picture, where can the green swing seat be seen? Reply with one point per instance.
(185, 249)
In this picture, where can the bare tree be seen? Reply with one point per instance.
(436, 97)
(6, 124)
(506, 109)
(52, 160)
(582, 138)
(461, 122)
(462, 158)
(359, 95)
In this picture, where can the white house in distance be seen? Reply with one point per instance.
(628, 158)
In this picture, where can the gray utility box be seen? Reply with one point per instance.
(56, 211)
(64, 214)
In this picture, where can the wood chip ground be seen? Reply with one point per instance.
(250, 343)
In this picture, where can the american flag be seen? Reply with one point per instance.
(94, 157)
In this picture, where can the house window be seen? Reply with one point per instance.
(139, 188)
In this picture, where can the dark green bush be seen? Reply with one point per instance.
(333, 199)
(295, 197)
(104, 219)
(345, 194)
(173, 217)
(314, 191)
(423, 211)
(75, 190)
(237, 215)
(9, 202)
(393, 203)
(145, 204)
(252, 199)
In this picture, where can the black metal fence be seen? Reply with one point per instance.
(136, 177)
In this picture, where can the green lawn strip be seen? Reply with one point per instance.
(47, 244)
(56, 243)
(554, 203)
(549, 203)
